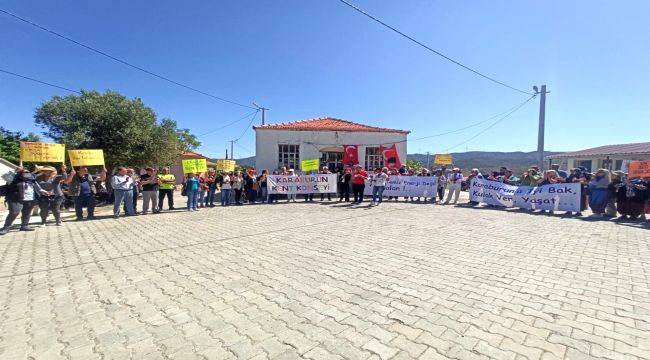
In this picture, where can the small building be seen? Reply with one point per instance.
(610, 157)
(286, 144)
(177, 169)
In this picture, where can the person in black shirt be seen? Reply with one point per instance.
(345, 178)
(149, 183)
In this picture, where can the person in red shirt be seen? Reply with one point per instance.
(359, 178)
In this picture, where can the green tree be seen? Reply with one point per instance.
(415, 165)
(126, 129)
(10, 144)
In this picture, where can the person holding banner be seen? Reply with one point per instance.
(22, 195)
(631, 199)
(379, 180)
(325, 170)
(599, 192)
(122, 185)
(167, 184)
(226, 189)
(82, 188)
(359, 178)
(455, 181)
(50, 182)
(292, 196)
(475, 173)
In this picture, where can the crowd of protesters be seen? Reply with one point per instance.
(605, 193)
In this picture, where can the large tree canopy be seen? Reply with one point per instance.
(126, 129)
(10, 144)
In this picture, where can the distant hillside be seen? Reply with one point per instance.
(486, 161)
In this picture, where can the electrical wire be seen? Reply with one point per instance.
(124, 62)
(458, 63)
(228, 124)
(247, 126)
(40, 81)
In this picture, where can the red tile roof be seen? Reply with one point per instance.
(327, 124)
(619, 149)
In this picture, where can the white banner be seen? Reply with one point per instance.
(560, 197)
(302, 184)
(416, 186)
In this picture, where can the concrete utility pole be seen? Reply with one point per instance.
(540, 130)
(226, 154)
(263, 110)
(232, 149)
(427, 160)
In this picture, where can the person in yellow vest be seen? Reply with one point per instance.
(167, 183)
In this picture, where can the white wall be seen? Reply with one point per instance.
(266, 144)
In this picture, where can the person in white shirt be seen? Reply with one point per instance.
(379, 180)
(454, 180)
(226, 190)
(123, 190)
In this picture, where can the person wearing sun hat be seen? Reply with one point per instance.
(50, 182)
(455, 179)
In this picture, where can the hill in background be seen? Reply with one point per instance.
(485, 161)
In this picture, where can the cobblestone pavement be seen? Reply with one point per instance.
(398, 281)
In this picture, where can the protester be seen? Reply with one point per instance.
(203, 188)
(455, 182)
(379, 181)
(441, 181)
(474, 174)
(291, 172)
(211, 187)
(21, 195)
(560, 173)
(530, 178)
(309, 197)
(345, 179)
(122, 185)
(51, 201)
(149, 183)
(325, 170)
(237, 183)
(631, 198)
(617, 181)
(250, 184)
(507, 178)
(577, 176)
(359, 178)
(81, 186)
(226, 189)
(262, 180)
(550, 177)
(192, 187)
(598, 192)
(167, 184)
(135, 189)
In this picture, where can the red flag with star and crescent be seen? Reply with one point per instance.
(391, 158)
(350, 154)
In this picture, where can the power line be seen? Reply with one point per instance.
(494, 123)
(244, 148)
(228, 124)
(124, 62)
(39, 81)
(247, 127)
(458, 63)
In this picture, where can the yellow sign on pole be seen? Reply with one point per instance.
(86, 157)
(41, 152)
(226, 165)
(443, 159)
(195, 166)
(309, 165)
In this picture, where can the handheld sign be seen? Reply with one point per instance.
(41, 152)
(639, 169)
(443, 159)
(86, 157)
(226, 165)
(309, 165)
(195, 166)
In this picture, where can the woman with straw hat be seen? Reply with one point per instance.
(50, 182)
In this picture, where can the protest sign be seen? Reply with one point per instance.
(41, 152)
(309, 165)
(418, 186)
(86, 157)
(561, 197)
(443, 159)
(195, 166)
(226, 165)
(303, 184)
(639, 169)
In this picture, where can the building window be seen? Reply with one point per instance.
(618, 164)
(374, 158)
(333, 160)
(289, 156)
(583, 163)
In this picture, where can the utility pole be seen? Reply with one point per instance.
(232, 149)
(263, 110)
(226, 154)
(427, 160)
(540, 130)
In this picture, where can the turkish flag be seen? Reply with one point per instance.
(391, 158)
(350, 154)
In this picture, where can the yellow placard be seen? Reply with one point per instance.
(41, 152)
(195, 166)
(309, 165)
(86, 157)
(226, 165)
(443, 159)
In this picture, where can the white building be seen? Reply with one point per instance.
(286, 144)
(610, 157)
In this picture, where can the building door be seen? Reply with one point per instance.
(333, 160)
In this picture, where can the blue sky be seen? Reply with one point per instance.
(305, 59)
